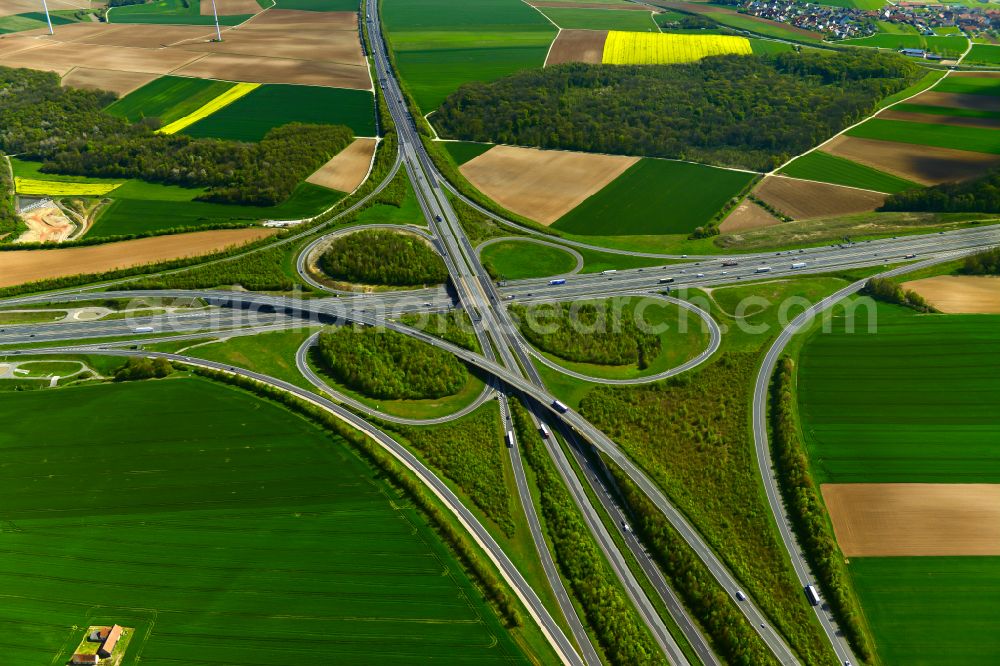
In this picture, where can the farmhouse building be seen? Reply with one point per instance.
(110, 642)
(85, 659)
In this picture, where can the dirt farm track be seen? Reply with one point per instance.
(20, 266)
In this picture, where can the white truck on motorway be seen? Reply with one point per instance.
(763, 269)
(509, 438)
(142, 329)
(798, 264)
(812, 595)
(544, 429)
(559, 407)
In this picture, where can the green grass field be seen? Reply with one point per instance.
(601, 19)
(655, 197)
(767, 47)
(31, 21)
(930, 134)
(984, 54)
(514, 260)
(931, 610)
(463, 151)
(976, 85)
(437, 47)
(149, 208)
(320, 5)
(250, 117)
(832, 169)
(915, 402)
(168, 98)
(182, 12)
(759, 26)
(139, 207)
(225, 530)
(947, 45)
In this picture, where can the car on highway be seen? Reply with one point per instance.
(740, 596)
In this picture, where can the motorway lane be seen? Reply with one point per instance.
(762, 447)
(470, 523)
(302, 363)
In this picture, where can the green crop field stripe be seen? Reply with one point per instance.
(938, 611)
(977, 85)
(983, 53)
(437, 48)
(168, 98)
(244, 532)
(917, 402)
(252, 116)
(655, 197)
(928, 134)
(600, 19)
(828, 168)
(180, 12)
(150, 208)
(463, 151)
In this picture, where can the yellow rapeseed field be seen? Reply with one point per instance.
(225, 99)
(650, 48)
(30, 187)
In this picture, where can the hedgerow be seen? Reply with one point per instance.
(808, 514)
(610, 614)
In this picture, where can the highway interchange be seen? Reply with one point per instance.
(508, 360)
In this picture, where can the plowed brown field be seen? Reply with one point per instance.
(542, 185)
(939, 119)
(102, 79)
(21, 266)
(905, 519)
(958, 100)
(748, 215)
(804, 199)
(348, 168)
(958, 294)
(230, 7)
(577, 46)
(926, 165)
(255, 69)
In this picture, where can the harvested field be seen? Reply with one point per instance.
(121, 83)
(938, 119)
(230, 7)
(977, 75)
(960, 294)
(334, 46)
(748, 215)
(293, 18)
(63, 57)
(805, 199)
(277, 70)
(585, 46)
(137, 35)
(927, 165)
(47, 224)
(914, 519)
(11, 7)
(11, 44)
(21, 266)
(348, 168)
(958, 100)
(542, 185)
